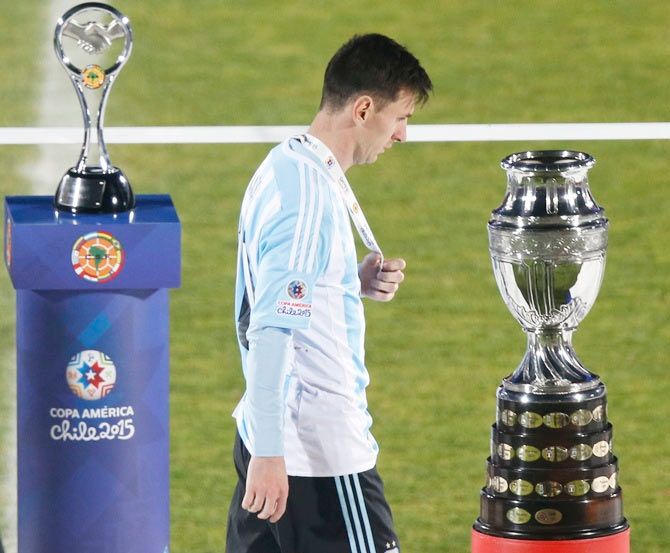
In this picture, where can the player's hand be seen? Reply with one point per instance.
(267, 488)
(380, 283)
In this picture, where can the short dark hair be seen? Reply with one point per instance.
(373, 64)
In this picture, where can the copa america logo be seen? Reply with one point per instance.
(297, 289)
(91, 374)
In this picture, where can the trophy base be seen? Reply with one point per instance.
(618, 542)
(552, 474)
(94, 191)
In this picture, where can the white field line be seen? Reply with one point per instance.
(270, 134)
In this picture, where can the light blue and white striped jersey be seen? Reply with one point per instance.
(297, 269)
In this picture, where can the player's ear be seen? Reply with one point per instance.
(362, 108)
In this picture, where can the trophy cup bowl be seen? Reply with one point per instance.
(548, 244)
(552, 476)
(93, 41)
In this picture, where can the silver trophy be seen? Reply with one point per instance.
(93, 42)
(548, 243)
(552, 473)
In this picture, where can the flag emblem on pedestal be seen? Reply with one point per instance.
(97, 257)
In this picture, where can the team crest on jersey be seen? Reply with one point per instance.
(91, 374)
(297, 289)
(97, 257)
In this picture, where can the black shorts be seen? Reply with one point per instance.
(341, 514)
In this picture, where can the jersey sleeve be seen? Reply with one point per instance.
(292, 250)
(267, 366)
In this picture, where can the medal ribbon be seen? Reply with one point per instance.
(344, 188)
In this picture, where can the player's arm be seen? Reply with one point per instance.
(377, 283)
(267, 364)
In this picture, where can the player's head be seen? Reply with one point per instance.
(373, 65)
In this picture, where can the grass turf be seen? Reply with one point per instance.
(438, 352)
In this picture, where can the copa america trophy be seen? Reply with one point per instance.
(552, 474)
(93, 42)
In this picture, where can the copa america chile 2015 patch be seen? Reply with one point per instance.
(296, 290)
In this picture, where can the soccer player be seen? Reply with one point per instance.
(304, 453)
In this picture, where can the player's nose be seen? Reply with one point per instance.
(400, 134)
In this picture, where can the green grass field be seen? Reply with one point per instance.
(437, 353)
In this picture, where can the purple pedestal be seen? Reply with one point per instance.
(93, 374)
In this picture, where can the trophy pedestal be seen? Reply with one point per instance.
(617, 543)
(92, 341)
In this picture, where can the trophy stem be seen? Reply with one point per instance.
(550, 366)
(103, 156)
(86, 113)
(93, 103)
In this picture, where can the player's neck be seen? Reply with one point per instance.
(337, 134)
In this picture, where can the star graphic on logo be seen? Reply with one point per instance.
(297, 289)
(90, 375)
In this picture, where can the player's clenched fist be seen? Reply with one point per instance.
(380, 283)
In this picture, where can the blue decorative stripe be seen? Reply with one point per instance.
(364, 512)
(354, 514)
(345, 513)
